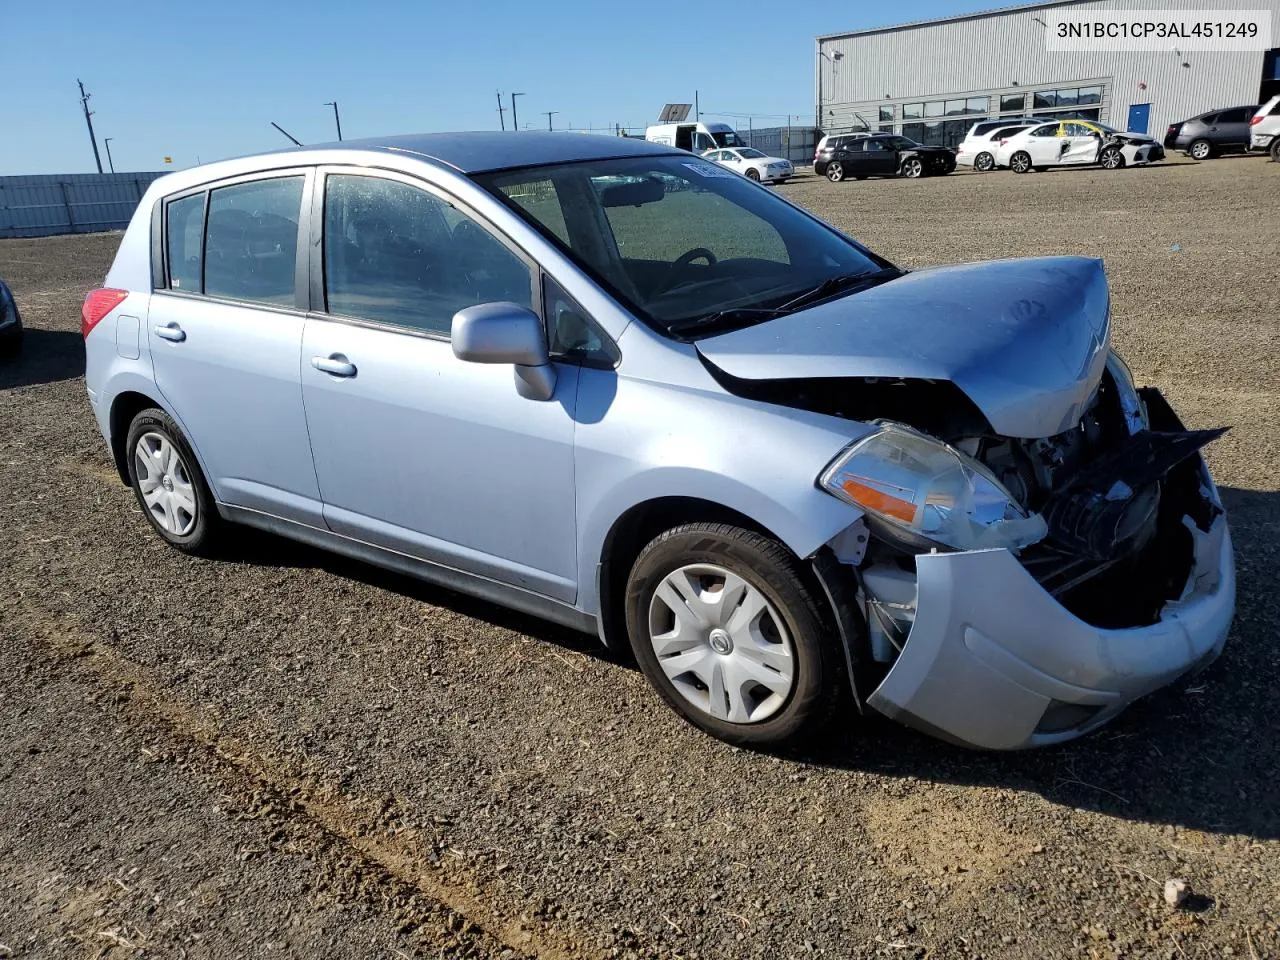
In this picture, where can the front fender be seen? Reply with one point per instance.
(659, 441)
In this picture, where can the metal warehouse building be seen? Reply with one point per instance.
(931, 80)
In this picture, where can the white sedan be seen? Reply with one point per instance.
(753, 164)
(1075, 143)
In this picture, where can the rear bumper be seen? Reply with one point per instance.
(994, 661)
(820, 167)
(1261, 141)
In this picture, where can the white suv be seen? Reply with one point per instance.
(1264, 128)
(978, 148)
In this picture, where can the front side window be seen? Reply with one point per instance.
(251, 242)
(876, 146)
(396, 254)
(677, 239)
(1048, 130)
(184, 231)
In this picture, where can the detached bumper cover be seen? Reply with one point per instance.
(991, 651)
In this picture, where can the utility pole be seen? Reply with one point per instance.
(697, 113)
(550, 114)
(84, 102)
(502, 122)
(106, 142)
(515, 119)
(336, 121)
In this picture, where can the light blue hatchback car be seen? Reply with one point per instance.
(620, 387)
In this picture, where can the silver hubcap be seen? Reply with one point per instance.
(721, 644)
(1112, 159)
(165, 484)
(983, 162)
(1200, 151)
(1020, 163)
(912, 169)
(835, 171)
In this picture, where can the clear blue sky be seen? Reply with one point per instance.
(205, 79)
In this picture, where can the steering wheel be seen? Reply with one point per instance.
(697, 253)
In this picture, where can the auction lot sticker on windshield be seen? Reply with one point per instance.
(704, 169)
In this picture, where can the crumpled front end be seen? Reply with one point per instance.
(1002, 650)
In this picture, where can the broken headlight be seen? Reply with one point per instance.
(923, 493)
(1131, 405)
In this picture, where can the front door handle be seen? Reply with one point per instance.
(172, 332)
(335, 364)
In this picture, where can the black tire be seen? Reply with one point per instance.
(984, 162)
(835, 171)
(1041, 169)
(1111, 159)
(1275, 150)
(772, 569)
(753, 175)
(1200, 149)
(205, 533)
(1020, 162)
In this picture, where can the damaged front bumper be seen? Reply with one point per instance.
(993, 661)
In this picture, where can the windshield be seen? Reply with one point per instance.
(677, 238)
(727, 138)
(750, 153)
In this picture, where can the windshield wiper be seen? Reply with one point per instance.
(844, 282)
(722, 319)
(741, 316)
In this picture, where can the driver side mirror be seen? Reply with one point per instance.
(504, 332)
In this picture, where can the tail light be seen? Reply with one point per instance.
(97, 305)
(1255, 120)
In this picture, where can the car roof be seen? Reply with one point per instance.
(476, 152)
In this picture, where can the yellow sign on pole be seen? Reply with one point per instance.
(168, 159)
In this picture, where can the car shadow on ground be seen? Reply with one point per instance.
(46, 356)
(1200, 754)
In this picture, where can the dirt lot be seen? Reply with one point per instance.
(286, 754)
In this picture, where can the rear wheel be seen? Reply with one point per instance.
(984, 162)
(726, 628)
(1200, 150)
(1111, 158)
(1020, 162)
(168, 483)
(1275, 149)
(912, 168)
(835, 171)
(753, 175)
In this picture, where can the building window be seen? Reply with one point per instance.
(933, 108)
(1090, 95)
(886, 114)
(1013, 103)
(954, 108)
(977, 104)
(912, 111)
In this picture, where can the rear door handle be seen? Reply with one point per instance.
(335, 364)
(171, 332)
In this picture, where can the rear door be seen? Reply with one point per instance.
(1233, 127)
(1045, 145)
(225, 334)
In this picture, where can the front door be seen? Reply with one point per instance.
(1082, 144)
(1139, 117)
(881, 161)
(225, 334)
(416, 450)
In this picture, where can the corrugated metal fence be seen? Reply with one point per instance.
(48, 204)
(791, 143)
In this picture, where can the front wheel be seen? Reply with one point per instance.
(1275, 149)
(727, 629)
(1020, 162)
(912, 168)
(753, 175)
(835, 172)
(1111, 159)
(984, 162)
(168, 483)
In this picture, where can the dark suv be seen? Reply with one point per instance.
(1212, 133)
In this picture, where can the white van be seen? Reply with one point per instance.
(696, 137)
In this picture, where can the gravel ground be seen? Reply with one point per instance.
(285, 753)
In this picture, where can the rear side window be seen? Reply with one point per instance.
(185, 226)
(251, 243)
(396, 254)
(1239, 115)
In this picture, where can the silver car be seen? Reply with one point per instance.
(617, 386)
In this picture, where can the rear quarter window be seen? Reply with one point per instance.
(184, 227)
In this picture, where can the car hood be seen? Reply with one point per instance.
(1026, 340)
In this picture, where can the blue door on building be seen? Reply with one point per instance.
(1139, 114)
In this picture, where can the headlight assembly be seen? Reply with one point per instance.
(1135, 411)
(922, 493)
